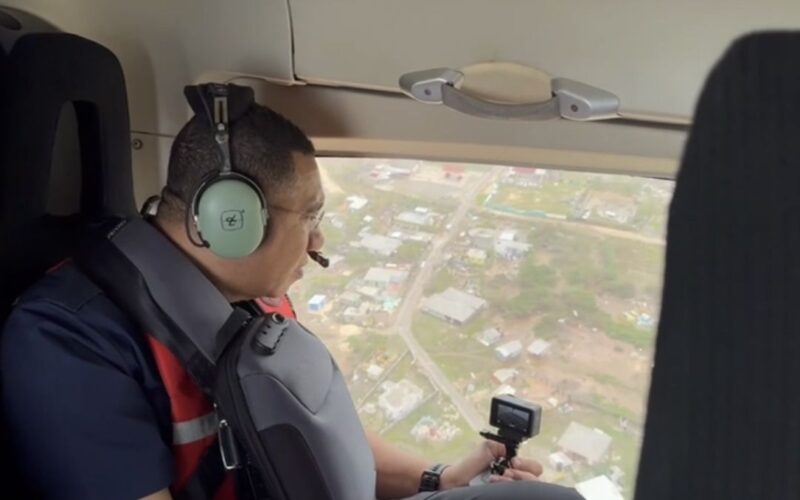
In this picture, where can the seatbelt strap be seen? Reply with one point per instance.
(152, 280)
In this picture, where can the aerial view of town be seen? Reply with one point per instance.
(451, 283)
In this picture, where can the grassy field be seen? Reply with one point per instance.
(553, 200)
(555, 196)
(445, 451)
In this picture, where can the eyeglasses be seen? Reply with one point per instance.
(315, 219)
(312, 219)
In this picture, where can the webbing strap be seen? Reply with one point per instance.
(195, 429)
(158, 286)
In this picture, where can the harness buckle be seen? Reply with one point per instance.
(228, 449)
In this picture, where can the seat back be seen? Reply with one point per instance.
(723, 416)
(41, 72)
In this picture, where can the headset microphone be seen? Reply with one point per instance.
(319, 259)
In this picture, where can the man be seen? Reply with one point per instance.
(86, 405)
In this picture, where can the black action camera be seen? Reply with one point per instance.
(516, 420)
(515, 415)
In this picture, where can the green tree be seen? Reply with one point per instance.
(411, 251)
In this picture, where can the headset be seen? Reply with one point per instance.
(228, 210)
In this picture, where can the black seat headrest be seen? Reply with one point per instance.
(723, 418)
(43, 73)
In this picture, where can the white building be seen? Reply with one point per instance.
(317, 303)
(382, 277)
(399, 398)
(374, 371)
(505, 389)
(379, 245)
(539, 348)
(599, 488)
(490, 336)
(586, 444)
(509, 350)
(416, 218)
(453, 305)
(508, 235)
(511, 250)
(356, 202)
(560, 461)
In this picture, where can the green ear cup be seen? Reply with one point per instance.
(230, 218)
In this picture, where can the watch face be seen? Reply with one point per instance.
(429, 482)
(430, 478)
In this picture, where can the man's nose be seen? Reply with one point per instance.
(316, 240)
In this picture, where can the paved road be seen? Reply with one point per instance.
(432, 263)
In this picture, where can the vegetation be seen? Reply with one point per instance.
(411, 252)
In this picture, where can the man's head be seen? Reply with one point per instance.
(279, 157)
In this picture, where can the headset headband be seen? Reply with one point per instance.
(228, 102)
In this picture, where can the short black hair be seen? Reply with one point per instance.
(261, 142)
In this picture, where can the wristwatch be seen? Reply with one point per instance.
(431, 478)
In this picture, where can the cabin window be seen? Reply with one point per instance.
(451, 283)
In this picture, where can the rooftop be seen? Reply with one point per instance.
(357, 202)
(453, 304)
(539, 347)
(317, 300)
(416, 218)
(505, 389)
(380, 244)
(385, 276)
(591, 444)
(508, 235)
(599, 488)
(490, 336)
(509, 349)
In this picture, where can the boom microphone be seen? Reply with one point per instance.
(319, 259)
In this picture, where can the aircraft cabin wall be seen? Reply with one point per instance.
(322, 55)
(569, 263)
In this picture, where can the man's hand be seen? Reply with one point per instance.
(479, 460)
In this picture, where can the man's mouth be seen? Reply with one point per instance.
(299, 272)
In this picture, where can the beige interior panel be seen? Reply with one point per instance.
(149, 155)
(164, 45)
(653, 55)
(348, 122)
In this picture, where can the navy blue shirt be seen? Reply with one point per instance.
(87, 413)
